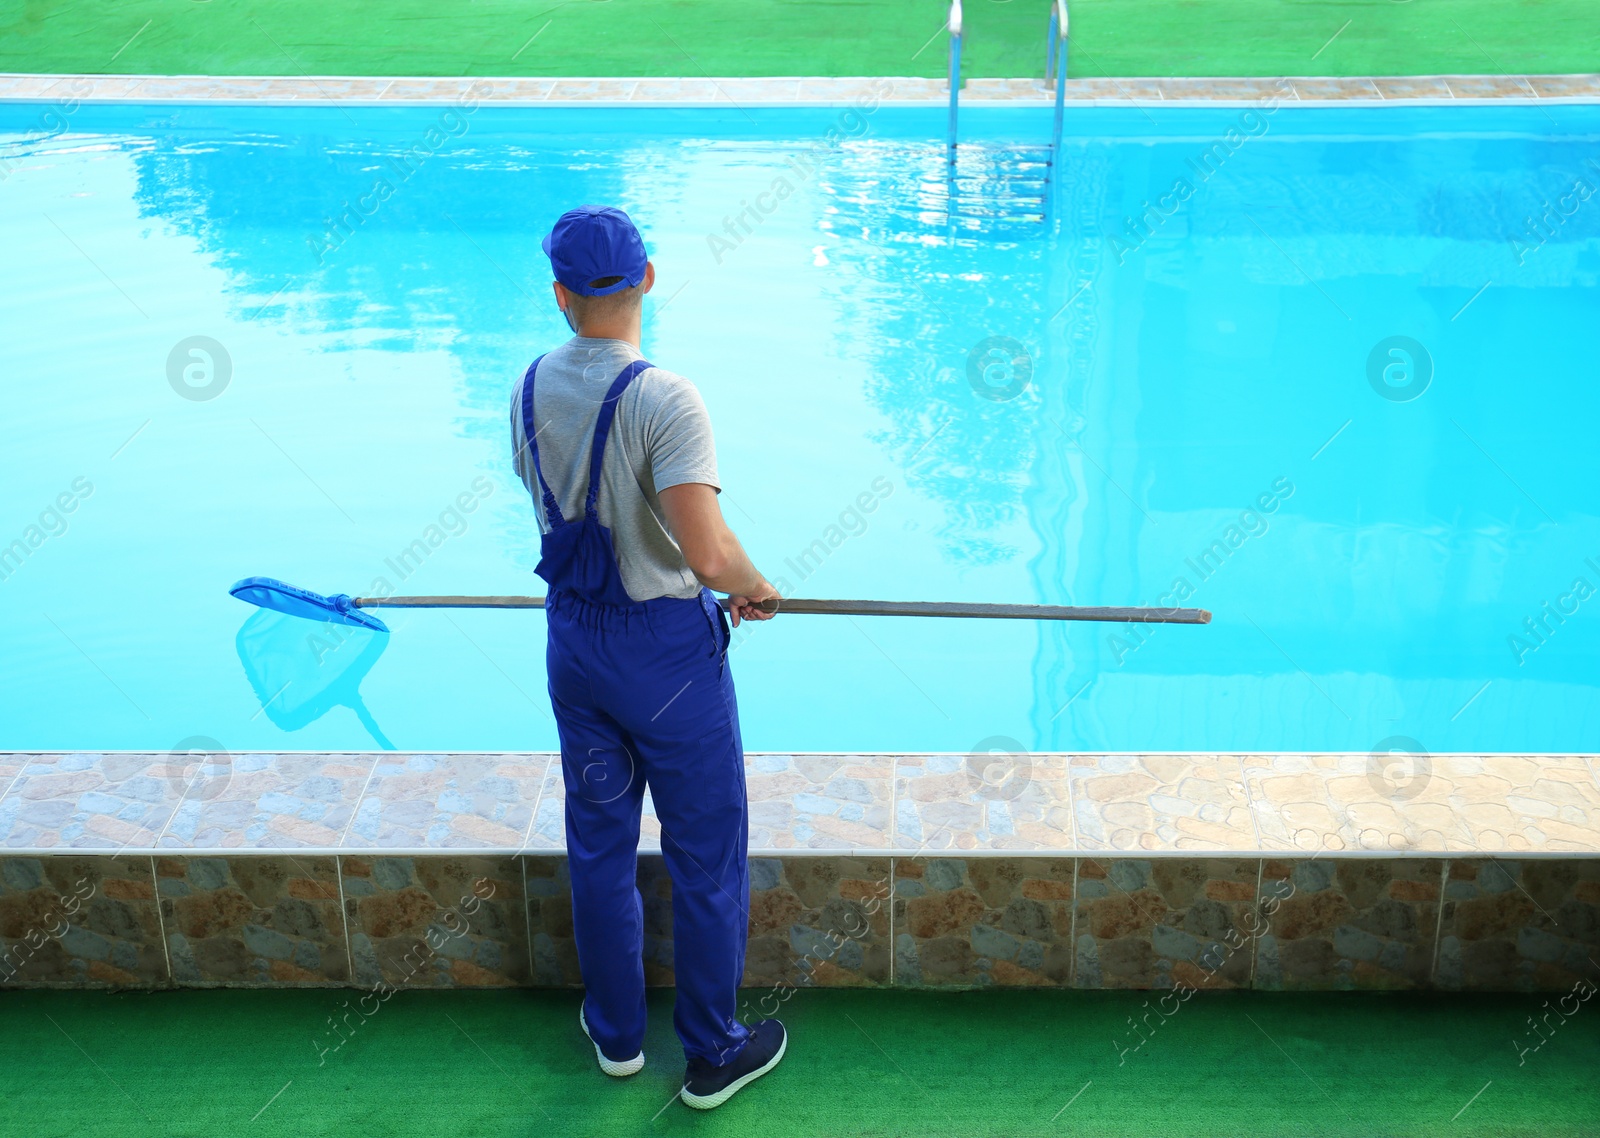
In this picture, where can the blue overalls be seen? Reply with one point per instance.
(643, 696)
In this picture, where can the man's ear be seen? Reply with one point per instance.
(564, 304)
(649, 275)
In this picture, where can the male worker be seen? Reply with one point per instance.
(618, 456)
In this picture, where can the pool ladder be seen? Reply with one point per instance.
(996, 191)
(1056, 43)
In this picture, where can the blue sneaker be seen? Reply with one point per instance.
(616, 1068)
(706, 1086)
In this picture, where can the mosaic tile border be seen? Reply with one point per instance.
(1147, 804)
(1187, 924)
(800, 90)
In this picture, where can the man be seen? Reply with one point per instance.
(619, 459)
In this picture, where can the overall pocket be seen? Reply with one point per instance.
(717, 622)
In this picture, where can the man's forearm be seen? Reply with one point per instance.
(709, 547)
(732, 571)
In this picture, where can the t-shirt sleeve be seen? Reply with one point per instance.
(678, 442)
(519, 449)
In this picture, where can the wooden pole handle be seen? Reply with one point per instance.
(1129, 615)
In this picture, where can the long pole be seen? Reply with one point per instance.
(1127, 615)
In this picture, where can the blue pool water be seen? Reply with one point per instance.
(1190, 372)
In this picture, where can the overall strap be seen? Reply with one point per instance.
(552, 511)
(602, 429)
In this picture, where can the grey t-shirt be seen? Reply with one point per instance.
(661, 437)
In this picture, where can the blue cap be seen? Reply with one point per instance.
(593, 242)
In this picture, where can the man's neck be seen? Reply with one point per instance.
(626, 331)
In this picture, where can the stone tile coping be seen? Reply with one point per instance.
(818, 804)
(739, 92)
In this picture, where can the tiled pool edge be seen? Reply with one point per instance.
(740, 91)
(1076, 916)
(1150, 805)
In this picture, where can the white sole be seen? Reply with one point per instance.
(610, 1066)
(707, 1102)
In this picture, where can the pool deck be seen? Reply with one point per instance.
(821, 805)
(743, 92)
(1276, 872)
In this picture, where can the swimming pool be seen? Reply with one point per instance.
(1337, 386)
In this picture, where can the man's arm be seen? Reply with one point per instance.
(712, 550)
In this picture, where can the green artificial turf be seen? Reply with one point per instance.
(795, 37)
(483, 1064)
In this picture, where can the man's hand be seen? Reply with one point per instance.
(749, 607)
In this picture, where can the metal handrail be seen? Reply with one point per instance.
(1056, 36)
(954, 27)
(1055, 67)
